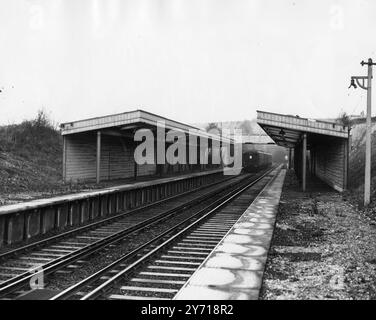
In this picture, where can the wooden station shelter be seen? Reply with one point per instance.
(102, 148)
(318, 148)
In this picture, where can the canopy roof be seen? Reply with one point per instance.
(286, 130)
(120, 124)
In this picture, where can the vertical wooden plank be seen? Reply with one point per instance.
(98, 172)
(304, 162)
(135, 165)
(2, 231)
(135, 170)
(345, 164)
(64, 158)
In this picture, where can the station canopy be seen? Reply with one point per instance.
(287, 130)
(124, 124)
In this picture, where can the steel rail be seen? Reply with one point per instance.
(104, 286)
(15, 283)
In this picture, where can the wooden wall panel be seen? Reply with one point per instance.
(146, 170)
(330, 163)
(116, 158)
(80, 157)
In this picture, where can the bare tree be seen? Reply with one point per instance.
(344, 119)
(213, 126)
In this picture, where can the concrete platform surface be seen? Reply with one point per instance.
(234, 269)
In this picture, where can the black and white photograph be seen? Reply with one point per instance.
(182, 157)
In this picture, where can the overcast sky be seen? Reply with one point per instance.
(189, 60)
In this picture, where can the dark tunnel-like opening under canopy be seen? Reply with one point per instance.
(319, 147)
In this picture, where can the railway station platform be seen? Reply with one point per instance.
(317, 148)
(23, 221)
(234, 269)
(134, 145)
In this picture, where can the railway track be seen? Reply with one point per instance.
(160, 267)
(55, 253)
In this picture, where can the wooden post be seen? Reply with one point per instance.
(290, 154)
(187, 162)
(293, 158)
(304, 162)
(98, 156)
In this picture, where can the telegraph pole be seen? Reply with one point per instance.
(367, 180)
(368, 78)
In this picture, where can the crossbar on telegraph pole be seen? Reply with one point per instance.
(368, 87)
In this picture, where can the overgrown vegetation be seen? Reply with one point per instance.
(246, 127)
(31, 162)
(213, 127)
(344, 119)
(30, 155)
(36, 140)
